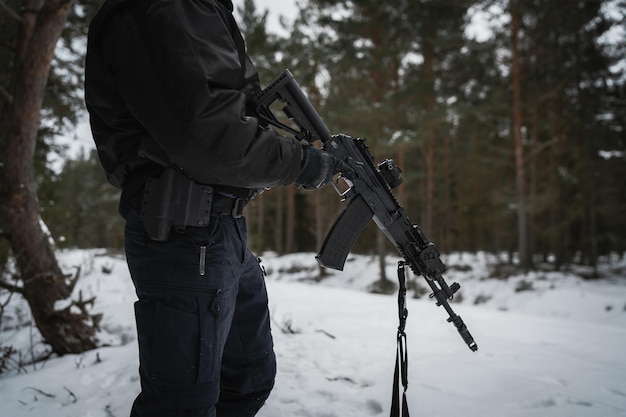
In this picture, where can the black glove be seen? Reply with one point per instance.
(318, 168)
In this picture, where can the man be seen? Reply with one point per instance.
(170, 93)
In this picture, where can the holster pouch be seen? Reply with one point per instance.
(174, 199)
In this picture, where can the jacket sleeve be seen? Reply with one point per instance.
(180, 74)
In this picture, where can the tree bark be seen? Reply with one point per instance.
(520, 171)
(291, 220)
(429, 74)
(589, 221)
(43, 281)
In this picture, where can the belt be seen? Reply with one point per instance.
(227, 206)
(230, 206)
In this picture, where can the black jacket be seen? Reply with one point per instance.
(170, 81)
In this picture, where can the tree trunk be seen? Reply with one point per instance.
(291, 220)
(43, 281)
(320, 229)
(559, 237)
(589, 220)
(320, 226)
(429, 75)
(279, 229)
(520, 171)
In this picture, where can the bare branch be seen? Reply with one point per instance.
(9, 47)
(10, 11)
(3, 307)
(11, 287)
(74, 279)
(5, 94)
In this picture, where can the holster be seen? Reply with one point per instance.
(174, 199)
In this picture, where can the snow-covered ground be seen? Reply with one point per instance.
(550, 344)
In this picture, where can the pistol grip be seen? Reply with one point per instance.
(343, 233)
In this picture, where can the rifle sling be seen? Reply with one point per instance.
(401, 369)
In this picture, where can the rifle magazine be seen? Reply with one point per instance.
(343, 234)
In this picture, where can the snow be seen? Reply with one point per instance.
(550, 344)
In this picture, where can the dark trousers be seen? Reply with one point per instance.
(205, 347)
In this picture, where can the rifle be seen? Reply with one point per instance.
(369, 194)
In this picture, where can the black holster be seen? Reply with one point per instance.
(174, 199)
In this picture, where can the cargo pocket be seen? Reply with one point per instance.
(176, 335)
(213, 329)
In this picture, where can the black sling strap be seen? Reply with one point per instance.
(401, 370)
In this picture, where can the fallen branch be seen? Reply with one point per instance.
(73, 398)
(45, 394)
(332, 336)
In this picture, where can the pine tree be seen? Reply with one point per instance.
(30, 51)
(564, 79)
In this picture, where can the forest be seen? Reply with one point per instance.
(511, 142)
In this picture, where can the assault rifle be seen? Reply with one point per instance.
(369, 194)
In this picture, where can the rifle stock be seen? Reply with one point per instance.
(284, 89)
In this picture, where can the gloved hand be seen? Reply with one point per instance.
(318, 168)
